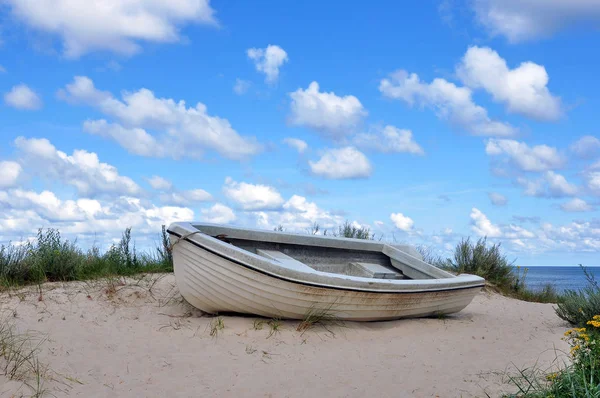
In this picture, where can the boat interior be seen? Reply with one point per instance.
(325, 259)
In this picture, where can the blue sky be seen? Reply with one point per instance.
(426, 124)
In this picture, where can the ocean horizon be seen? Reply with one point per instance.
(565, 277)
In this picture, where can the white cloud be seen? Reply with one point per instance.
(82, 169)
(532, 188)
(186, 132)
(22, 97)
(497, 199)
(296, 143)
(389, 139)
(268, 61)
(2, 69)
(593, 181)
(171, 196)
(9, 173)
(218, 214)
(185, 198)
(22, 212)
(524, 157)
(551, 185)
(482, 225)
(252, 196)
(576, 205)
(586, 147)
(160, 183)
(298, 214)
(241, 86)
(521, 20)
(49, 206)
(135, 140)
(342, 163)
(523, 89)
(329, 114)
(450, 102)
(401, 221)
(558, 185)
(111, 25)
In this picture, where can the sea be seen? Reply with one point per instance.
(563, 278)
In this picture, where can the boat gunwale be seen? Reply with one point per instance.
(461, 282)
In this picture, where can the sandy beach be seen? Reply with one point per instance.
(139, 339)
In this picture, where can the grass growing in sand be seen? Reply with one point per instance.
(579, 376)
(275, 326)
(488, 261)
(50, 258)
(578, 307)
(18, 358)
(319, 316)
(216, 325)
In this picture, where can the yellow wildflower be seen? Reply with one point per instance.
(595, 322)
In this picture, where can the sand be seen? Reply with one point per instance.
(140, 339)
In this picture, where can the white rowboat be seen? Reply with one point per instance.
(283, 275)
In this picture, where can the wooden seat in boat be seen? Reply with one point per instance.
(284, 260)
(377, 271)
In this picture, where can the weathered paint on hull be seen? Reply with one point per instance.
(215, 284)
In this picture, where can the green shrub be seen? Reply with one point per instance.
(483, 260)
(51, 258)
(579, 378)
(578, 307)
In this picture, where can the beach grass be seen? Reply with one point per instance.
(578, 375)
(488, 261)
(50, 258)
(578, 307)
(19, 357)
(319, 317)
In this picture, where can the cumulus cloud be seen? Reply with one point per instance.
(160, 183)
(297, 144)
(389, 139)
(111, 25)
(82, 170)
(401, 221)
(593, 181)
(218, 214)
(171, 196)
(342, 163)
(268, 61)
(186, 131)
(241, 86)
(328, 113)
(497, 199)
(450, 102)
(298, 214)
(482, 225)
(9, 173)
(586, 147)
(576, 205)
(185, 198)
(525, 158)
(550, 185)
(523, 89)
(22, 97)
(521, 20)
(252, 196)
(22, 212)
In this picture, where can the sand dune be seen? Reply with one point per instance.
(143, 340)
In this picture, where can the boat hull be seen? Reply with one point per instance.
(216, 284)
